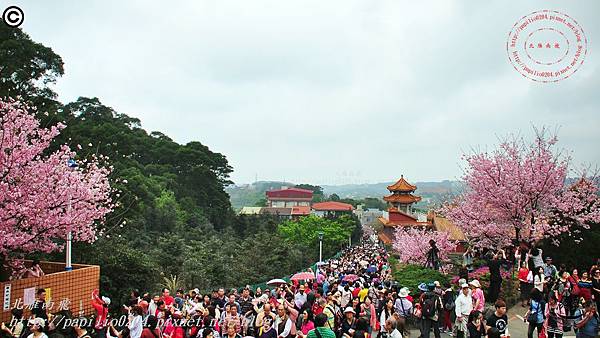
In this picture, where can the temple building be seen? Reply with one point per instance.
(401, 213)
(400, 200)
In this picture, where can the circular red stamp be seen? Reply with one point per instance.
(546, 46)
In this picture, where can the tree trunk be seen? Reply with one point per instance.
(4, 272)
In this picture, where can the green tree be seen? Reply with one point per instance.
(261, 203)
(306, 231)
(27, 68)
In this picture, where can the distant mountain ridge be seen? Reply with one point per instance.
(432, 192)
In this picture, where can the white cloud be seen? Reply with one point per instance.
(308, 90)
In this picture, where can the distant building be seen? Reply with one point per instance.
(367, 216)
(401, 214)
(333, 209)
(299, 211)
(285, 213)
(250, 210)
(289, 197)
(455, 234)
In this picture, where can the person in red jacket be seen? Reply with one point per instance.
(100, 304)
(167, 298)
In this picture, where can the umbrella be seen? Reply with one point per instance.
(363, 263)
(303, 276)
(276, 281)
(350, 278)
(371, 269)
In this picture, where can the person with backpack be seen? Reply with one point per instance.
(587, 325)
(332, 313)
(535, 315)
(431, 310)
(448, 314)
(404, 310)
(348, 325)
(555, 314)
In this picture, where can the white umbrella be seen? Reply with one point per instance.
(276, 281)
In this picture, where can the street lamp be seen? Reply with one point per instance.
(320, 246)
(320, 254)
(68, 267)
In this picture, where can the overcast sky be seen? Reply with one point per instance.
(323, 92)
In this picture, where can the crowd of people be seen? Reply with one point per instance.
(353, 296)
(558, 299)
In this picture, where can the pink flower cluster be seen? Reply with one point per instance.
(516, 192)
(41, 198)
(412, 244)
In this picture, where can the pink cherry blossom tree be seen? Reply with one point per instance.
(41, 198)
(514, 192)
(412, 244)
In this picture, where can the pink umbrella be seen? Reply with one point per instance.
(350, 278)
(303, 276)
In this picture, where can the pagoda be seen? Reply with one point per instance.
(400, 212)
(401, 198)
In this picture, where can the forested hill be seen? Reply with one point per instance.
(152, 163)
(174, 217)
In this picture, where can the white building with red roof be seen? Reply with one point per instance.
(289, 197)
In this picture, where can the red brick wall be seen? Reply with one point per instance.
(76, 286)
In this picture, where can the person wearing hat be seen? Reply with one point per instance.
(477, 295)
(100, 305)
(300, 297)
(438, 288)
(404, 309)
(463, 307)
(36, 327)
(349, 323)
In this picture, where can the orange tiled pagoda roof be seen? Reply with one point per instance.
(402, 198)
(402, 186)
